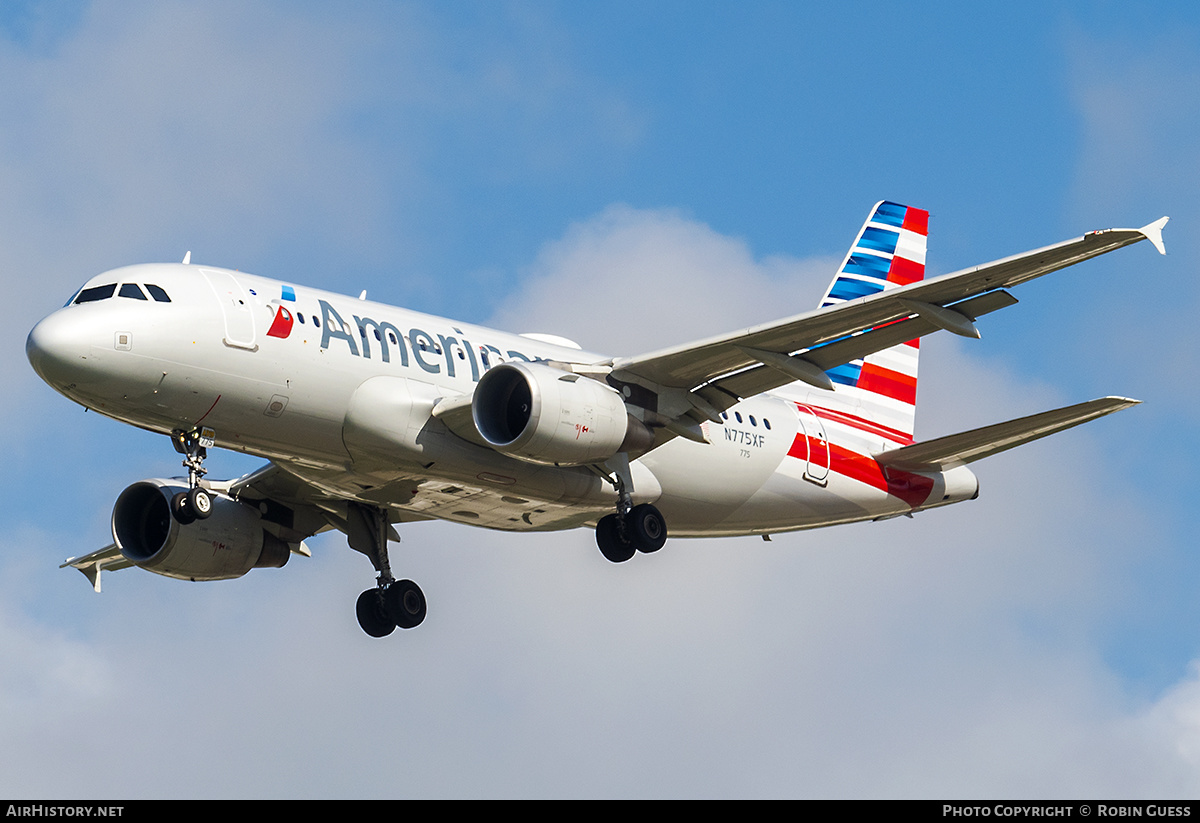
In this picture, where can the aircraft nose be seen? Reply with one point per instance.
(57, 348)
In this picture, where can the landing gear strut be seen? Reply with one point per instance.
(392, 602)
(195, 503)
(631, 528)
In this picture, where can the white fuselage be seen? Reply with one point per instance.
(341, 392)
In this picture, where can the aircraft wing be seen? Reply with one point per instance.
(108, 559)
(954, 450)
(718, 372)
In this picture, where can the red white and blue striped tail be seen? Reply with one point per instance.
(889, 252)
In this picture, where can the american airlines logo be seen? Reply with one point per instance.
(281, 326)
(428, 351)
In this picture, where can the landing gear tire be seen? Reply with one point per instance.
(182, 510)
(372, 614)
(190, 506)
(613, 546)
(392, 603)
(646, 528)
(405, 603)
(200, 502)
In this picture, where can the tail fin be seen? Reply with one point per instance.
(889, 252)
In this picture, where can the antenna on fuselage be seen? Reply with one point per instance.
(187, 258)
(363, 296)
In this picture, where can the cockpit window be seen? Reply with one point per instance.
(131, 290)
(96, 293)
(157, 293)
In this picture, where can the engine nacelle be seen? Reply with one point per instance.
(228, 543)
(541, 414)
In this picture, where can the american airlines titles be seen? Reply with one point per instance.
(427, 348)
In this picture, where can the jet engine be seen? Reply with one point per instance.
(541, 414)
(227, 543)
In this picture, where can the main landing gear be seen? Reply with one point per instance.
(631, 528)
(381, 610)
(392, 602)
(196, 503)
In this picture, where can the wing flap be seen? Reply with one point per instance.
(955, 450)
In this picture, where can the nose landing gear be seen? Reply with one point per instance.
(195, 503)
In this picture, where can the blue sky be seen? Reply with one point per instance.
(630, 175)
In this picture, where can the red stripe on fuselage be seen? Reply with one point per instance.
(862, 424)
(913, 489)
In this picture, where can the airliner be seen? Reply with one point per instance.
(370, 417)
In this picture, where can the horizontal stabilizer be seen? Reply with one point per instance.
(966, 447)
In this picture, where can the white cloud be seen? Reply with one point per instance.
(631, 280)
